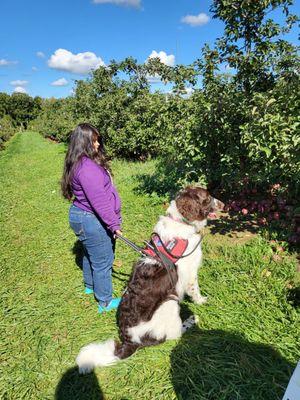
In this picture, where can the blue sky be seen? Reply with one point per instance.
(41, 41)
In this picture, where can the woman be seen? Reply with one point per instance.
(95, 213)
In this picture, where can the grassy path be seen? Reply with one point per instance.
(244, 347)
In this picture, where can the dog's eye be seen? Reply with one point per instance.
(208, 202)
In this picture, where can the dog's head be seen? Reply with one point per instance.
(195, 204)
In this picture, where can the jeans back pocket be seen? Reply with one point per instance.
(75, 221)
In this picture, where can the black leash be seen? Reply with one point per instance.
(130, 243)
(165, 261)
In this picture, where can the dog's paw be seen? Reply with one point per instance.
(85, 369)
(84, 366)
(201, 300)
(188, 323)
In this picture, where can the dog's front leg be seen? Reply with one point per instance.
(194, 292)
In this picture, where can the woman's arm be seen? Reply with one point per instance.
(91, 178)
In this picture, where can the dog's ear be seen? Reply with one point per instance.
(194, 203)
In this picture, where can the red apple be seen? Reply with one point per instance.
(262, 221)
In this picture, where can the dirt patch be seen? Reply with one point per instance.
(232, 229)
(52, 140)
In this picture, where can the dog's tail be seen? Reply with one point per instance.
(102, 354)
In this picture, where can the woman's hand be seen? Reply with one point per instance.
(118, 232)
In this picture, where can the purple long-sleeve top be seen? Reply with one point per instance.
(94, 192)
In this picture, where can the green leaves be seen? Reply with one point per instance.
(272, 134)
(251, 40)
(6, 129)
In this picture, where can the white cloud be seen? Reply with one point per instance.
(60, 82)
(4, 62)
(154, 79)
(164, 58)
(196, 20)
(40, 54)
(20, 89)
(228, 68)
(189, 91)
(129, 3)
(81, 63)
(34, 69)
(18, 83)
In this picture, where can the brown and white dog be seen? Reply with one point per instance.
(149, 310)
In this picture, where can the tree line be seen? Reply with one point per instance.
(16, 111)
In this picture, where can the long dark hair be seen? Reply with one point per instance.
(82, 144)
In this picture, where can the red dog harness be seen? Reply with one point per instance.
(175, 248)
(167, 254)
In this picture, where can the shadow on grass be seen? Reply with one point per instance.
(120, 276)
(232, 222)
(73, 386)
(78, 252)
(293, 296)
(163, 183)
(210, 365)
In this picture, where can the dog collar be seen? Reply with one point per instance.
(185, 221)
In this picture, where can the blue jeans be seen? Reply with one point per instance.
(98, 245)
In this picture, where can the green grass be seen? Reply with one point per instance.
(244, 347)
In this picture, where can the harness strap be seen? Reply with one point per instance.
(166, 262)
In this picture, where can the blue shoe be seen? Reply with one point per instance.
(88, 291)
(112, 305)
